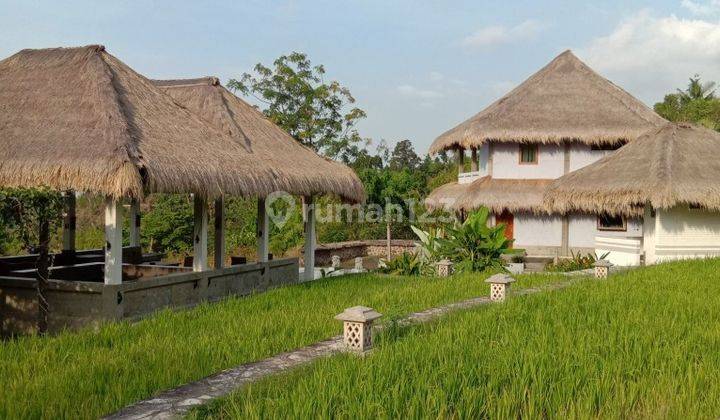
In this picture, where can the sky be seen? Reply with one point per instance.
(417, 68)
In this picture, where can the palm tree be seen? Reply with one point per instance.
(697, 90)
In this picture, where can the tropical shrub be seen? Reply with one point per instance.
(429, 246)
(475, 246)
(405, 264)
(577, 262)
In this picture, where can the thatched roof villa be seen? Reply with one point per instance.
(80, 120)
(670, 175)
(560, 119)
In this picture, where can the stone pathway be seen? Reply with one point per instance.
(177, 402)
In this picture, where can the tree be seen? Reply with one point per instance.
(297, 98)
(697, 104)
(32, 213)
(404, 156)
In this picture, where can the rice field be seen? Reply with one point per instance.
(95, 372)
(643, 344)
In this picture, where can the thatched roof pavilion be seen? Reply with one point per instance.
(300, 170)
(565, 100)
(673, 164)
(79, 118)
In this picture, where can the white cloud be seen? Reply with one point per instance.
(436, 76)
(414, 92)
(499, 34)
(705, 8)
(651, 56)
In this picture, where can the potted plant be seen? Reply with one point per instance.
(517, 264)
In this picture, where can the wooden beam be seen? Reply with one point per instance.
(309, 255)
(134, 223)
(263, 231)
(219, 233)
(69, 221)
(200, 234)
(113, 241)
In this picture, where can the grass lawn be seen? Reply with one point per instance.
(641, 344)
(91, 373)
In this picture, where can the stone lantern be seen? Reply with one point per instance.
(602, 268)
(444, 268)
(359, 264)
(335, 262)
(357, 327)
(499, 286)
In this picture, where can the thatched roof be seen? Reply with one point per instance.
(445, 197)
(565, 100)
(669, 165)
(513, 195)
(300, 170)
(79, 118)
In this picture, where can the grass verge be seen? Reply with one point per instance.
(90, 373)
(642, 344)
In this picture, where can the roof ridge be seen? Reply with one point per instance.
(130, 148)
(178, 83)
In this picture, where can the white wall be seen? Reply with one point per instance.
(649, 224)
(483, 159)
(532, 230)
(682, 233)
(582, 155)
(506, 162)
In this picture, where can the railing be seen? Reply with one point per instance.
(468, 177)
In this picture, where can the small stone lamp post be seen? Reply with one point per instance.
(357, 327)
(602, 268)
(499, 286)
(359, 263)
(444, 268)
(335, 262)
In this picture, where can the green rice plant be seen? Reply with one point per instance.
(94, 372)
(641, 345)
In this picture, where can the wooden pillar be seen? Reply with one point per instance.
(219, 233)
(474, 161)
(69, 221)
(134, 222)
(263, 231)
(460, 159)
(113, 241)
(565, 238)
(309, 209)
(200, 234)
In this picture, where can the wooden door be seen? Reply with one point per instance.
(507, 218)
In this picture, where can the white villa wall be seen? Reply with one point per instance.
(582, 155)
(506, 162)
(535, 230)
(682, 233)
(649, 226)
(483, 160)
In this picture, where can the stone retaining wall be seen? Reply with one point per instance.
(351, 249)
(74, 304)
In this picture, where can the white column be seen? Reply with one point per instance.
(134, 223)
(69, 221)
(219, 233)
(200, 234)
(263, 231)
(309, 254)
(113, 241)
